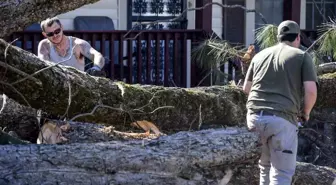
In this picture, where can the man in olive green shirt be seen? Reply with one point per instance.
(275, 81)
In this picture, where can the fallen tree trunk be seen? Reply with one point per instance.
(16, 15)
(23, 121)
(49, 92)
(201, 157)
(170, 108)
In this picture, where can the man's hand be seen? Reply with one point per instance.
(96, 71)
(303, 117)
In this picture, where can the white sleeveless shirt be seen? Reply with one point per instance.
(55, 57)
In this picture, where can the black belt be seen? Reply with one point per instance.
(264, 113)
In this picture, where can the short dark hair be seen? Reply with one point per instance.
(50, 21)
(288, 37)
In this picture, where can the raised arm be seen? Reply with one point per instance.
(88, 51)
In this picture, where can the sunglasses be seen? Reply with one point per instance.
(55, 32)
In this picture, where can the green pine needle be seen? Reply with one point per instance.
(327, 38)
(213, 52)
(266, 36)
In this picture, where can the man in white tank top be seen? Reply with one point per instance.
(57, 47)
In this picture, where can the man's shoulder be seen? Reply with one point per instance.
(44, 42)
(78, 41)
(265, 52)
(285, 49)
(294, 50)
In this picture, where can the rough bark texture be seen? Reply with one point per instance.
(22, 120)
(15, 15)
(200, 157)
(326, 96)
(18, 118)
(176, 159)
(218, 103)
(326, 68)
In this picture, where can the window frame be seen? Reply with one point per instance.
(319, 2)
(130, 18)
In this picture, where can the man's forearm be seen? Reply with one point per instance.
(247, 86)
(310, 95)
(309, 102)
(99, 60)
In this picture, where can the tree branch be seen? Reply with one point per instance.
(16, 15)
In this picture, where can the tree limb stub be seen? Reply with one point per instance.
(16, 15)
(173, 108)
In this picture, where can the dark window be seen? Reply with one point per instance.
(234, 22)
(318, 12)
(145, 11)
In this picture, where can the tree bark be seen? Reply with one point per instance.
(49, 92)
(200, 157)
(326, 68)
(18, 118)
(326, 95)
(23, 121)
(16, 15)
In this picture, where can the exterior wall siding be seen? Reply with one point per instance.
(250, 19)
(272, 10)
(303, 15)
(109, 8)
(217, 18)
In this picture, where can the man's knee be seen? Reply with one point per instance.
(283, 167)
(285, 162)
(283, 153)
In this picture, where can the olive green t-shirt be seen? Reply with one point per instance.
(277, 74)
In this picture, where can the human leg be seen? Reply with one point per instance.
(264, 165)
(282, 143)
(254, 123)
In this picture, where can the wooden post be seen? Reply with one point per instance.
(292, 10)
(203, 21)
(204, 17)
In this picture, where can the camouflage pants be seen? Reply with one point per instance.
(279, 141)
